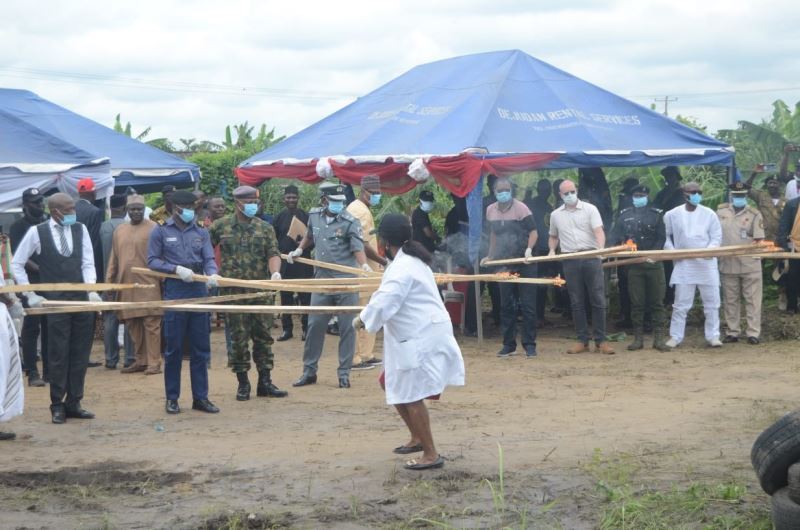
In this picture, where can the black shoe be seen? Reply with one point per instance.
(730, 338)
(111, 366)
(270, 390)
(78, 412)
(530, 351)
(374, 361)
(58, 413)
(362, 366)
(127, 365)
(243, 392)
(303, 337)
(94, 364)
(507, 351)
(172, 407)
(306, 380)
(7, 436)
(753, 340)
(34, 379)
(204, 405)
(286, 335)
(344, 382)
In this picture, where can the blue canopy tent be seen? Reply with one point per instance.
(132, 163)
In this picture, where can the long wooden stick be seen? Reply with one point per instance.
(668, 255)
(332, 266)
(762, 246)
(204, 308)
(265, 285)
(74, 287)
(59, 306)
(586, 254)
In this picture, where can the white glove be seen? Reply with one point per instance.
(296, 253)
(16, 310)
(528, 253)
(276, 276)
(366, 268)
(184, 273)
(483, 261)
(358, 323)
(94, 297)
(213, 280)
(34, 300)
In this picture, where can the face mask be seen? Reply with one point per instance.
(375, 199)
(570, 199)
(35, 211)
(503, 196)
(695, 198)
(335, 207)
(187, 215)
(739, 202)
(69, 219)
(640, 202)
(426, 206)
(250, 209)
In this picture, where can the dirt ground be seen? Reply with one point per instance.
(322, 457)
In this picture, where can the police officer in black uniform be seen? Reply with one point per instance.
(646, 284)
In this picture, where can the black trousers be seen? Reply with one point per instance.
(624, 294)
(68, 347)
(792, 284)
(31, 327)
(288, 298)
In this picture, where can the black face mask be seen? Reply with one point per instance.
(34, 212)
(389, 254)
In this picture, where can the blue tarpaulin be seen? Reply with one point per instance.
(132, 163)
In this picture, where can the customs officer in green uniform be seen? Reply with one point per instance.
(644, 226)
(248, 251)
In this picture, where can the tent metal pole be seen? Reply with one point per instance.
(478, 308)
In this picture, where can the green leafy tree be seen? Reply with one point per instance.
(160, 143)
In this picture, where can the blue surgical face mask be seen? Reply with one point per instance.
(375, 199)
(640, 202)
(503, 196)
(695, 198)
(739, 202)
(426, 206)
(187, 215)
(250, 209)
(335, 207)
(69, 219)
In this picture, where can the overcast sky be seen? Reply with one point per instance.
(189, 68)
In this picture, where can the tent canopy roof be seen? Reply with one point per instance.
(131, 160)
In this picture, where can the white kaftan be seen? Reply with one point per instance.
(697, 229)
(421, 356)
(12, 393)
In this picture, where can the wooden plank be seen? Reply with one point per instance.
(74, 287)
(333, 266)
(79, 306)
(208, 308)
(586, 254)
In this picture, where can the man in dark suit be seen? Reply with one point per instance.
(92, 218)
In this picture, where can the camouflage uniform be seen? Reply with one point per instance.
(245, 249)
(160, 215)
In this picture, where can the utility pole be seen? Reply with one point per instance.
(666, 100)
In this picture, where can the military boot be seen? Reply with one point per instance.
(638, 340)
(658, 341)
(265, 387)
(243, 392)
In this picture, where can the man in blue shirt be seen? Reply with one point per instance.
(181, 247)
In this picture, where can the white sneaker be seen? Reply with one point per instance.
(715, 343)
(672, 343)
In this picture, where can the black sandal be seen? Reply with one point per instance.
(407, 449)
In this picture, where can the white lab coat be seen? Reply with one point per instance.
(12, 391)
(697, 229)
(421, 356)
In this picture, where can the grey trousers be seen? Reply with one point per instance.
(585, 276)
(111, 340)
(318, 324)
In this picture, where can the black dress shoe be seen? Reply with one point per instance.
(730, 338)
(35, 380)
(7, 435)
(204, 405)
(59, 414)
(753, 340)
(172, 406)
(111, 366)
(94, 364)
(344, 382)
(286, 335)
(270, 390)
(78, 412)
(306, 380)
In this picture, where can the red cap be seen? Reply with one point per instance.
(85, 185)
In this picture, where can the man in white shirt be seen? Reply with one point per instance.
(65, 256)
(578, 226)
(693, 226)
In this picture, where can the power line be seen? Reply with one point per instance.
(666, 100)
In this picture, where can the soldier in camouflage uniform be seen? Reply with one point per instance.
(248, 251)
(646, 284)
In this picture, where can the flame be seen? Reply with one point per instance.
(630, 245)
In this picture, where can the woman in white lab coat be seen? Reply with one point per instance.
(421, 356)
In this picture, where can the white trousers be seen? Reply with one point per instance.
(684, 299)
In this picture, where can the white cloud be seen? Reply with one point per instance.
(339, 50)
